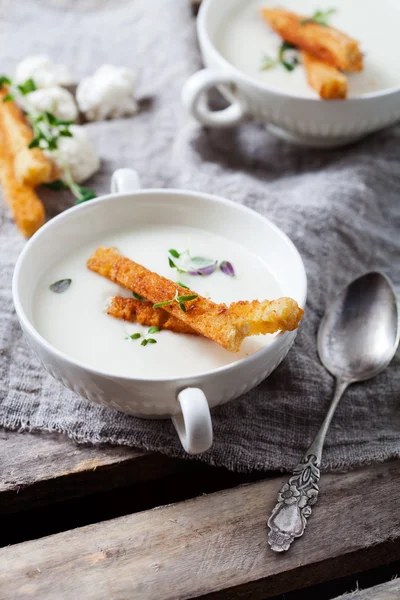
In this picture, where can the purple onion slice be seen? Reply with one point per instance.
(207, 270)
(227, 268)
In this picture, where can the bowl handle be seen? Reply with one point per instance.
(194, 101)
(124, 181)
(194, 425)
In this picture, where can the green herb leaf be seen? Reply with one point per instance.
(52, 119)
(153, 330)
(172, 264)
(288, 66)
(320, 17)
(8, 98)
(182, 306)
(4, 80)
(163, 303)
(134, 336)
(144, 343)
(65, 133)
(137, 297)
(58, 184)
(183, 285)
(58, 287)
(174, 253)
(51, 143)
(151, 341)
(86, 194)
(35, 143)
(187, 298)
(267, 62)
(27, 87)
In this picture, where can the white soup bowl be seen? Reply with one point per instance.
(306, 121)
(186, 400)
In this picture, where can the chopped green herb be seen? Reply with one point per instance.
(58, 184)
(134, 336)
(160, 304)
(151, 341)
(179, 299)
(187, 298)
(183, 285)
(8, 98)
(27, 87)
(137, 297)
(320, 17)
(35, 143)
(144, 343)
(60, 286)
(153, 330)
(4, 80)
(85, 194)
(65, 133)
(267, 63)
(174, 253)
(287, 63)
(172, 264)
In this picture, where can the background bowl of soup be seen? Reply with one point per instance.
(181, 376)
(233, 40)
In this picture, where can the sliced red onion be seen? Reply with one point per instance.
(227, 268)
(207, 270)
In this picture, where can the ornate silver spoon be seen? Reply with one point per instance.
(357, 338)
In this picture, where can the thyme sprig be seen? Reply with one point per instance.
(289, 63)
(47, 131)
(179, 299)
(146, 340)
(320, 17)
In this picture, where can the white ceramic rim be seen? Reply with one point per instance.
(205, 41)
(186, 380)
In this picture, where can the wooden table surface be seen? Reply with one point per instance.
(112, 532)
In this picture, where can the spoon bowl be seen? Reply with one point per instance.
(359, 333)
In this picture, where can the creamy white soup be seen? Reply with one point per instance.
(244, 38)
(75, 321)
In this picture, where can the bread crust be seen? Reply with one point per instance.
(326, 80)
(330, 45)
(227, 326)
(31, 166)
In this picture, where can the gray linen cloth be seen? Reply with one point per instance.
(340, 208)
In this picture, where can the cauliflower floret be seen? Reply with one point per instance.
(44, 72)
(108, 93)
(79, 154)
(56, 100)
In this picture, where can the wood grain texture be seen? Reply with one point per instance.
(37, 469)
(385, 591)
(214, 546)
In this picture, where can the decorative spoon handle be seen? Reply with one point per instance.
(295, 498)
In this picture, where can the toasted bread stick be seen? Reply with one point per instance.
(203, 315)
(133, 310)
(264, 317)
(330, 83)
(268, 316)
(26, 207)
(226, 326)
(31, 166)
(329, 44)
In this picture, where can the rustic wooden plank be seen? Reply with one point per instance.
(37, 469)
(214, 546)
(385, 591)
